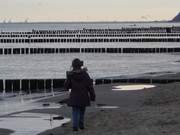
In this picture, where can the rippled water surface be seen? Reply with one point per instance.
(99, 65)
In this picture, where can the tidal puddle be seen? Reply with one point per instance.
(104, 106)
(31, 123)
(23, 103)
(132, 87)
(107, 107)
(11, 106)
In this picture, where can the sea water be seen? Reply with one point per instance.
(99, 65)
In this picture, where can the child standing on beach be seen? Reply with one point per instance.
(82, 92)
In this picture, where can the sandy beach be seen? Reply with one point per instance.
(153, 111)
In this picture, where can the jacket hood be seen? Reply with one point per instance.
(77, 74)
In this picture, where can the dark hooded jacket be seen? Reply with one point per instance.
(81, 85)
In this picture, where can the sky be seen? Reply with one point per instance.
(87, 10)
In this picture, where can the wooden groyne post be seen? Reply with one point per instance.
(18, 51)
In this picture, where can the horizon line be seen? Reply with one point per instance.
(162, 21)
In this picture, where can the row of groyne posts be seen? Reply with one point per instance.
(57, 85)
(9, 51)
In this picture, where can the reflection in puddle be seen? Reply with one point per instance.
(11, 106)
(31, 123)
(132, 87)
(23, 103)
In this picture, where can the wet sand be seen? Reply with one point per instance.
(153, 111)
(5, 131)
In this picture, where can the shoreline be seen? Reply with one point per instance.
(129, 103)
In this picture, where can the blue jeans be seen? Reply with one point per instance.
(78, 116)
